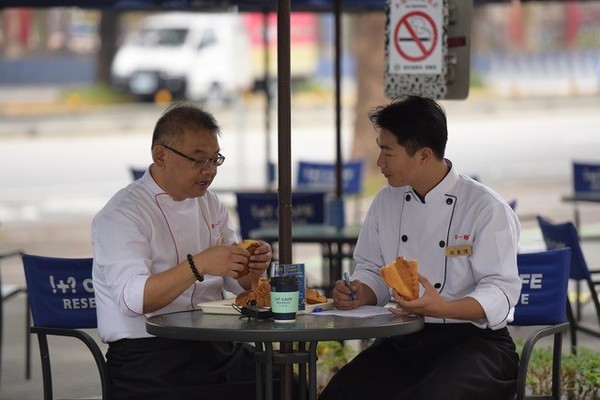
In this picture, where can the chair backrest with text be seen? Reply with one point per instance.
(260, 210)
(543, 301)
(62, 303)
(321, 176)
(544, 277)
(586, 177)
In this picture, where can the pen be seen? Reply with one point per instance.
(349, 286)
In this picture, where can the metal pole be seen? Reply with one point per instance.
(285, 163)
(284, 131)
(338, 102)
(270, 170)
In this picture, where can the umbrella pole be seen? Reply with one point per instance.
(284, 161)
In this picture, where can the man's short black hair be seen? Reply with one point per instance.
(416, 122)
(180, 118)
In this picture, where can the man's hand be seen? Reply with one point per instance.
(221, 260)
(342, 295)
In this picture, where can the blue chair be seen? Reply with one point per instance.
(545, 277)
(562, 235)
(321, 176)
(137, 173)
(586, 180)
(62, 303)
(260, 210)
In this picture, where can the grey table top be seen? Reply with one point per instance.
(196, 325)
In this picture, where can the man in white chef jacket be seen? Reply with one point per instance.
(465, 238)
(164, 244)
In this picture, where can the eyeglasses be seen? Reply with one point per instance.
(202, 162)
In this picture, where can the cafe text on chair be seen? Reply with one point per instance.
(544, 277)
(62, 303)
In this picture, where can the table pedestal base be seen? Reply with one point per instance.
(266, 358)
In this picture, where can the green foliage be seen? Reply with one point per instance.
(94, 94)
(331, 356)
(580, 373)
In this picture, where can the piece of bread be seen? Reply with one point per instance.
(259, 295)
(249, 245)
(314, 297)
(402, 275)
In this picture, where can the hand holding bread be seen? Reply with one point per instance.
(251, 246)
(402, 275)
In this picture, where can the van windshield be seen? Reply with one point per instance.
(160, 37)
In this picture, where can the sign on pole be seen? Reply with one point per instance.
(415, 46)
(427, 48)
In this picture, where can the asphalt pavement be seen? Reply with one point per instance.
(68, 234)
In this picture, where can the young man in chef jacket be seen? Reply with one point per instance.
(465, 239)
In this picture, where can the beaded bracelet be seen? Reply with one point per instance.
(190, 259)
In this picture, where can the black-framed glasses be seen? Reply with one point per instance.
(202, 162)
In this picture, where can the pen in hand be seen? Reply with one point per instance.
(349, 285)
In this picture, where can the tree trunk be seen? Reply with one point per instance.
(108, 45)
(368, 38)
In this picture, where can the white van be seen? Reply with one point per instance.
(198, 56)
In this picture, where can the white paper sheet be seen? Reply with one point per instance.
(359, 312)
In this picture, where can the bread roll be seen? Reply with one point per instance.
(249, 245)
(402, 275)
(259, 295)
(314, 297)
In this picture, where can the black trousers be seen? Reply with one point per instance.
(158, 368)
(449, 362)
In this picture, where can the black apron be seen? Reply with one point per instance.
(443, 361)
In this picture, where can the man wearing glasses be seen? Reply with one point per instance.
(164, 244)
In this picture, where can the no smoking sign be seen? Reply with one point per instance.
(415, 43)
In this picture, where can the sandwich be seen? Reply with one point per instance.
(402, 275)
(251, 246)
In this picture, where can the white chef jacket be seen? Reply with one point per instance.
(143, 231)
(458, 216)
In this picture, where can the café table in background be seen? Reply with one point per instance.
(308, 329)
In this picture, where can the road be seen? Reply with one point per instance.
(72, 163)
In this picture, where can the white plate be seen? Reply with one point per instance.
(224, 307)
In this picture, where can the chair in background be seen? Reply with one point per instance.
(8, 291)
(586, 181)
(137, 173)
(259, 210)
(321, 176)
(561, 235)
(545, 277)
(62, 303)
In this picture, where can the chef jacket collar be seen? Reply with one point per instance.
(442, 189)
(148, 180)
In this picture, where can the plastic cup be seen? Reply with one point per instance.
(284, 298)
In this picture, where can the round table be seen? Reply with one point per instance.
(308, 328)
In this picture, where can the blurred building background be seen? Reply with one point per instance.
(516, 46)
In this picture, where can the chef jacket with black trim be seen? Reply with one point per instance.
(463, 235)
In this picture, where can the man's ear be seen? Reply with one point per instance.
(158, 155)
(425, 154)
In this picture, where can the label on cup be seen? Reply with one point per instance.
(284, 306)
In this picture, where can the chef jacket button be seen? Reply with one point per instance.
(407, 198)
(442, 244)
(437, 285)
(449, 201)
(404, 238)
